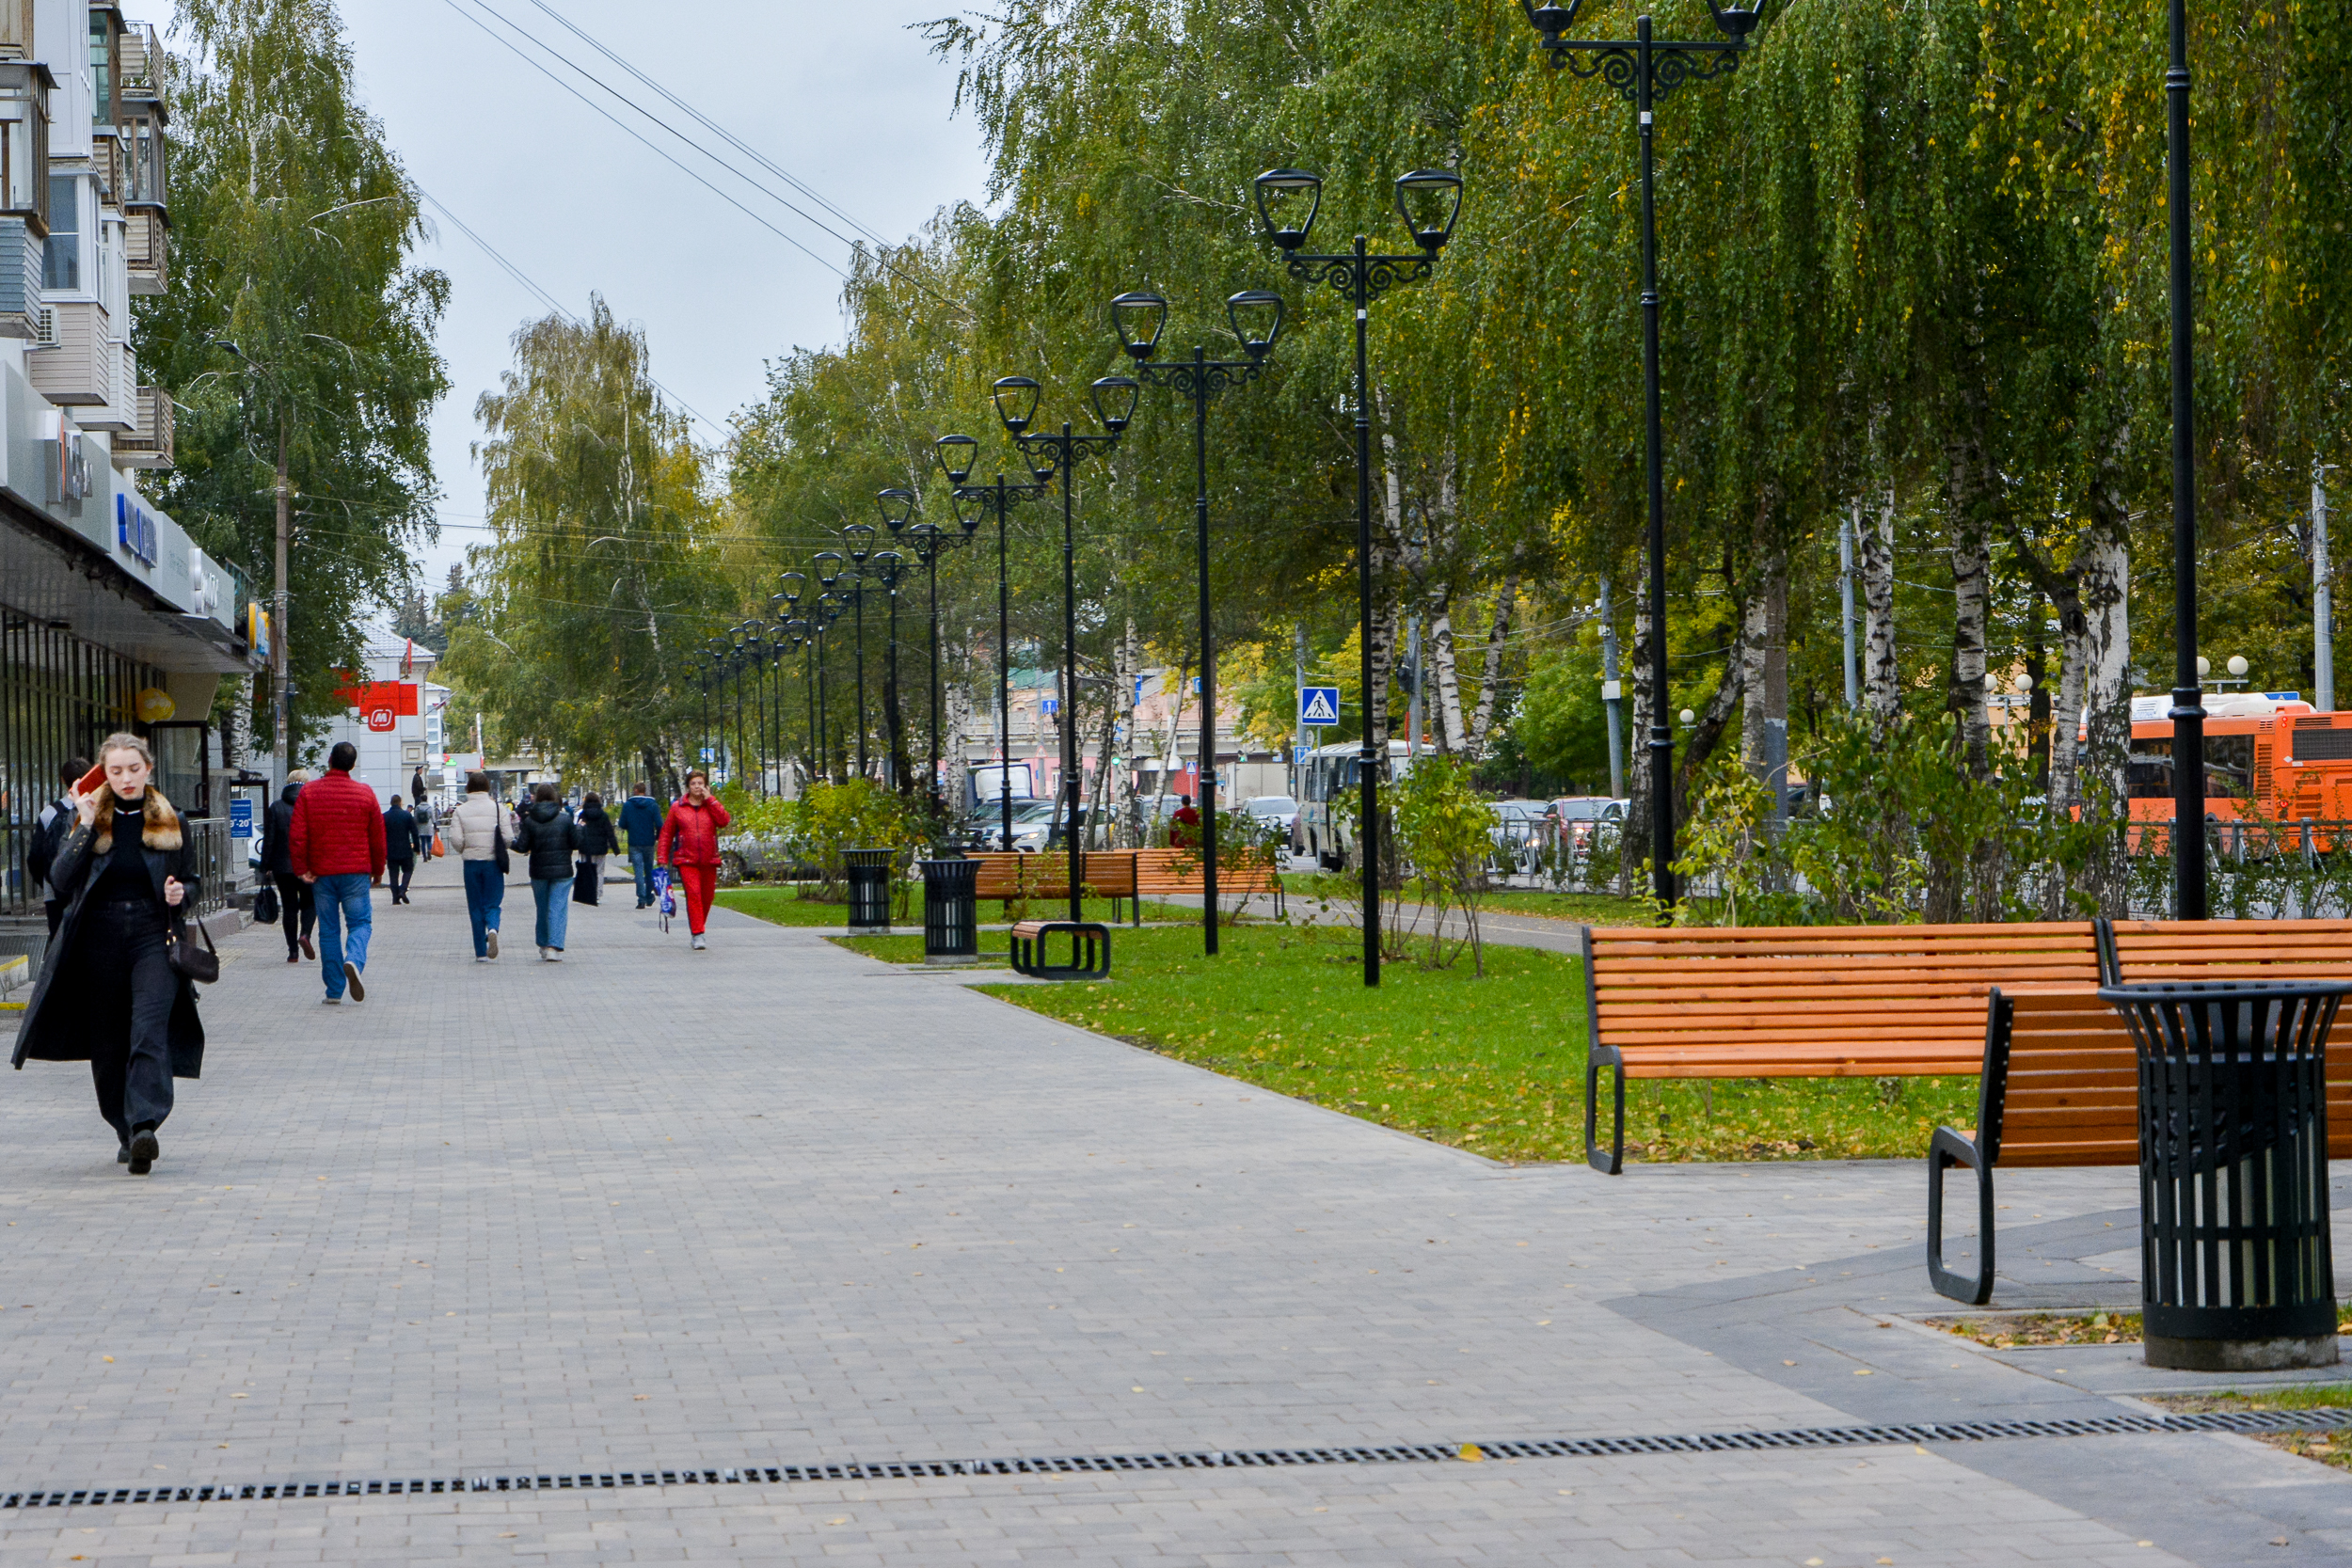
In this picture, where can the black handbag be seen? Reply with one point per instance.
(204, 968)
(499, 854)
(266, 911)
(584, 888)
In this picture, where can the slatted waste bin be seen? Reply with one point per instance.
(870, 888)
(2237, 1273)
(952, 921)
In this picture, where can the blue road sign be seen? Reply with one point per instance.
(241, 816)
(1318, 705)
(1052, 706)
(709, 755)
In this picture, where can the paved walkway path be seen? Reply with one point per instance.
(774, 1205)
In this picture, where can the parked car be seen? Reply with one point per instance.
(1277, 811)
(986, 827)
(1033, 834)
(1517, 834)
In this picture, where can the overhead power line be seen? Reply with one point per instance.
(549, 300)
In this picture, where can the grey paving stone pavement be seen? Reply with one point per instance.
(774, 1204)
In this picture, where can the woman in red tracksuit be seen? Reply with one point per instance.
(689, 845)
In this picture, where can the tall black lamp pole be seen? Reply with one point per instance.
(859, 539)
(1058, 457)
(1644, 70)
(1256, 317)
(928, 539)
(1429, 200)
(889, 568)
(956, 456)
(2189, 711)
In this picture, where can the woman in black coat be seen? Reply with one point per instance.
(597, 838)
(107, 993)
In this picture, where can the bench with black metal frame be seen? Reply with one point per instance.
(2059, 1087)
(1803, 1001)
(1090, 950)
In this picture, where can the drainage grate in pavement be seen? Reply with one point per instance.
(1411, 1454)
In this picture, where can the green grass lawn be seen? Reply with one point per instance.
(784, 906)
(1495, 1065)
(1307, 889)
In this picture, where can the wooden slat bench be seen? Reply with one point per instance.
(1805, 1001)
(1012, 878)
(1161, 872)
(2060, 1087)
(2142, 950)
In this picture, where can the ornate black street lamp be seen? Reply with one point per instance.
(957, 454)
(1057, 457)
(1644, 70)
(2189, 711)
(1256, 316)
(928, 539)
(858, 539)
(1429, 200)
(889, 567)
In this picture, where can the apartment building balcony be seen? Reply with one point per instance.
(20, 278)
(75, 359)
(147, 249)
(148, 445)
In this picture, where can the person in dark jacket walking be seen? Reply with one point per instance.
(296, 903)
(126, 869)
(400, 850)
(49, 834)
(548, 835)
(641, 819)
(597, 838)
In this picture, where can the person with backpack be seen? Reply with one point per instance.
(49, 835)
(399, 850)
(641, 819)
(472, 830)
(690, 844)
(548, 836)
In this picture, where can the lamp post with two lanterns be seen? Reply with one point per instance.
(1642, 70)
(1057, 457)
(956, 456)
(1256, 318)
(1429, 201)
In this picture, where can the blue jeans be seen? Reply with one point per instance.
(554, 898)
(485, 889)
(344, 901)
(640, 862)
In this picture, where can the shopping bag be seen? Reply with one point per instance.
(265, 910)
(439, 847)
(584, 880)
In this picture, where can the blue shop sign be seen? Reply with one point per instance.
(136, 532)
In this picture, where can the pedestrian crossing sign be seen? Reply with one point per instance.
(1318, 705)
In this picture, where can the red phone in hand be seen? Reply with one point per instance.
(92, 780)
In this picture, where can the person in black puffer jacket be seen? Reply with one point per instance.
(548, 835)
(597, 838)
(295, 905)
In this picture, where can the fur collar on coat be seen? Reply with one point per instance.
(159, 825)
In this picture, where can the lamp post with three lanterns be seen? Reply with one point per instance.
(1256, 318)
(1429, 200)
(956, 456)
(1056, 457)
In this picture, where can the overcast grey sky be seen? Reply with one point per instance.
(838, 93)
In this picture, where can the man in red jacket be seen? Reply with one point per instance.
(336, 841)
(690, 842)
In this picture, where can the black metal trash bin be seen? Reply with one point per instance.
(870, 888)
(2237, 1269)
(951, 912)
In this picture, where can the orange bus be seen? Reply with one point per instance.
(2267, 757)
